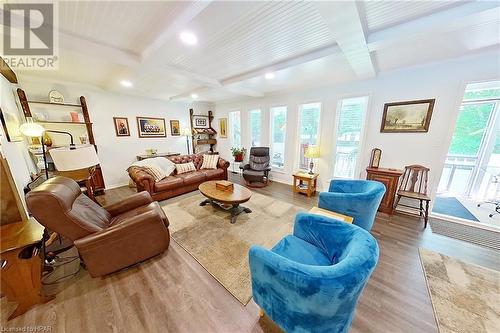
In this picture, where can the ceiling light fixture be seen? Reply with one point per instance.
(269, 76)
(126, 83)
(188, 38)
(194, 96)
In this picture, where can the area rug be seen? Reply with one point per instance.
(465, 297)
(221, 247)
(453, 207)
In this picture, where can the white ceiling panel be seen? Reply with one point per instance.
(383, 14)
(232, 38)
(126, 25)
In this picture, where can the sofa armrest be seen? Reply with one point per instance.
(136, 200)
(134, 240)
(142, 179)
(222, 164)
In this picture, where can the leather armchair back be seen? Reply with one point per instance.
(197, 159)
(259, 158)
(59, 205)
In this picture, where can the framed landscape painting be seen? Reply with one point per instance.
(407, 117)
(121, 126)
(151, 127)
(175, 128)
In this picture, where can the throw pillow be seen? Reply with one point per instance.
(185, 167)
(157, 173)
(165, 164)
(210, 162)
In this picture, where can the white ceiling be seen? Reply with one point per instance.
(303, 43)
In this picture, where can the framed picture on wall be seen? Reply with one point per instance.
(175, 128)
(148, 127)
(223, 127)
(121, 126)
(200, 122)
(407, 117)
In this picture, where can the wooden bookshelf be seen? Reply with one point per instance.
(98, 179)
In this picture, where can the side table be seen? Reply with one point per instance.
(305, 183)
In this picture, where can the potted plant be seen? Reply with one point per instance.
(238, 153)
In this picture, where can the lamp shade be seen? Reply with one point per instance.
(312, 152)
(67, 159)
(185, 131)
(31, 129)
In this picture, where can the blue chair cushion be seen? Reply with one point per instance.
(300, 251)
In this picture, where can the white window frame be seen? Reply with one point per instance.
(250, 124)
(230, 123)
(357, 167)
(271, 140)
(299, 124)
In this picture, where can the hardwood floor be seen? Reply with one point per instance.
(173, 293)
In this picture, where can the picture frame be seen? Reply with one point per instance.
(121, 126)
(175, 128)
(201, 122)
(223, 127)
(149, 127)
(407, 117)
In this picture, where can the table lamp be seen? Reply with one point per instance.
(32, 129)
(185, 131)
(312, 152)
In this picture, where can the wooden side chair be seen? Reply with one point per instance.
(414, 186)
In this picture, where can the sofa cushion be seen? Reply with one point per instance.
(192, 177)
(211, 174)
(185, 167)
(300, 251)
(169, 183)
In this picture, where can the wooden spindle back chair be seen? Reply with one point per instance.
(414, 186)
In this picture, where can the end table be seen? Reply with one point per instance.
(306, 183)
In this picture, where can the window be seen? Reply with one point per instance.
(255, 126)
(350, 121)
(309, 115)
(278, 136)
(235, 128)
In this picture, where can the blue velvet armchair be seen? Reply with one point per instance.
(311, 281)
(359, 199)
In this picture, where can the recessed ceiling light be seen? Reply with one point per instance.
(269, 76)
(188, 38)
(194, 96)
(126, 83)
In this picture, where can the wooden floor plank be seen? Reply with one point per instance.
(173, 293)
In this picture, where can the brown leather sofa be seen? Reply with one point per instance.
(175, 184)
(108, 238)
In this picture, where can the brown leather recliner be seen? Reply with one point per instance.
(108, 238)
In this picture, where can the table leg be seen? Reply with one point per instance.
(237, 210)
(205, 202)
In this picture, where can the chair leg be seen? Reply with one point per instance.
(426, 219)
(421, 207)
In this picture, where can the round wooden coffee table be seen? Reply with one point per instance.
(226, 200)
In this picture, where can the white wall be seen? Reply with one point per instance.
(117, 153)
(16, 153)
(445, 81)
